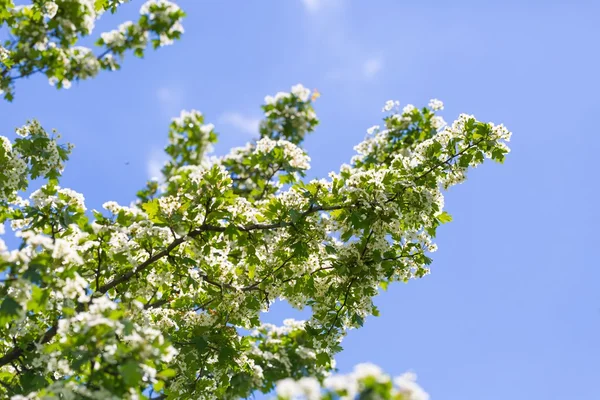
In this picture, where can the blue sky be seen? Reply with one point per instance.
(512, 307)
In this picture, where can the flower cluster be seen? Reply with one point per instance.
(289, 115)
(190, 140)
(364, 380)
(291, 154)
(164, 13)
(34, 154)
(4, 54)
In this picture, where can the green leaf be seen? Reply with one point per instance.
(323, 359)
(9, 310)
(99, 4)
(122, 218)
(251, 270)
(358, 319)
(158, 386)
(152, 208)
(167, 373)
(356, 220)
(39, 297)
(33, 381)
(465, 160)
(32, 274)
(132, 375)
(201, 343)
(498, 155)
(300, 249)
(346, 235)
(231, 231)
(445, 217)
(295, 215)
(286, 179)
(375, 311)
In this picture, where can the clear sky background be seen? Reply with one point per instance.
(512, 307)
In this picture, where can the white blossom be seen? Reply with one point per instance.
(436, 104)
(50, 9)
(389, 105)
(301, 92)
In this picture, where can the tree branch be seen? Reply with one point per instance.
(339, 310)
(16, 352)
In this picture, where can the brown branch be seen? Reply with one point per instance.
(156, 304)
(254, 285)
(449, 159)
(427, 172)
(268, 182)
(16, 352)
(339, 310)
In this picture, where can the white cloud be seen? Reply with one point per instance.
(356, 70)
(372, 66)
(170, 99)
(345, 57)
(155, 163)
(312, 5)
(241, 122)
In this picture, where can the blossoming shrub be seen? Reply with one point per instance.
(153, 299)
